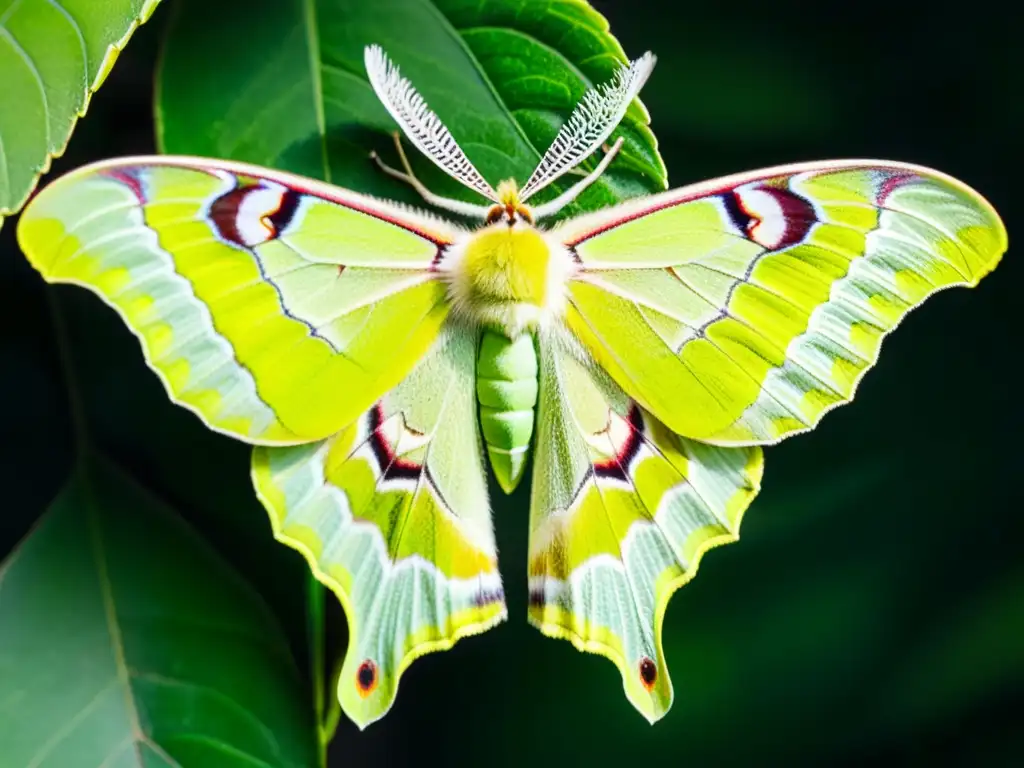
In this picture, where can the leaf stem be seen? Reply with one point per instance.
(79, 428)
(315, 632)
(330, 723)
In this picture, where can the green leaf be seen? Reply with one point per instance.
(53, 57)
(125, 641)
(502, 75)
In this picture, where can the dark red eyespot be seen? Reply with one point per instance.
(496, 214)
(648, 673)
(366, 678)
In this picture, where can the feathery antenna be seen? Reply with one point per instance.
(593, 121)
(422, 127)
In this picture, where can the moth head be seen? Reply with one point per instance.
(509, 206)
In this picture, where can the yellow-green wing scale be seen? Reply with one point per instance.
(740, 311)
(392, 514)
(621, 512)
(260, 298)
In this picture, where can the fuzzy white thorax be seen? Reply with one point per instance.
(512, 317)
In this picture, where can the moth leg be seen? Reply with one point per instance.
(554, 206)
(456, 206)
(577, 171)
(408, 176)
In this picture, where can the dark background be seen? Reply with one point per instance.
(874, 608)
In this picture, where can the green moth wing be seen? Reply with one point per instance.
(741, 310)
(621, 512)
(260, 298)
(392, 514)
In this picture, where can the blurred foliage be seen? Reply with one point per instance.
(874, 608)
(53, 58)
(113, 653)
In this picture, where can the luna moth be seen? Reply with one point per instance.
(380, 357)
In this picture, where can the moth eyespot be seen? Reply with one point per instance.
(366, 678)
(648, 673)
(495, 215)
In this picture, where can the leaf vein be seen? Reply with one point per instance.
(62, 733)
(315, 63)
(81, 38)
(178, 682)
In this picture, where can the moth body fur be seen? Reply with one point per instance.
(508, 275)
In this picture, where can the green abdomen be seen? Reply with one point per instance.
(506, 388)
